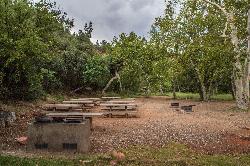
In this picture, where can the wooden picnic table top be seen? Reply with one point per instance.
(78, 102)
(84, 99)
(124, 99)
(62, 105)
(111, 97)
(85, 114)
(121, 101)
(117, 104)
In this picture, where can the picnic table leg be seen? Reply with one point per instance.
(90, 122)
(110, 110)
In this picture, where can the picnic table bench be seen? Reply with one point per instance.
(127, 114)
(65, 107)
(118, 106)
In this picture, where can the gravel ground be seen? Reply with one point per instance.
(209, 129)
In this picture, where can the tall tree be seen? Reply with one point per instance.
(190, 39)
(236, 12)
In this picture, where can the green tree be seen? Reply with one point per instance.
(25, 43)
(237, 19)
(190, 39)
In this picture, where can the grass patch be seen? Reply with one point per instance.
(123, 94)
(53, 161)
(196, 96)
(172, 154)
(181, 96)
(56, 97)
(222, 97)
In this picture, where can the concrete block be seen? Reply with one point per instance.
(59, 137)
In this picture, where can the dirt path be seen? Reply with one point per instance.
(209, 129)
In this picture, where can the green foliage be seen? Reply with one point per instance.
(38, 54)
(96, 72)
(142, 67)
(25, 44)
(185, 52)
(191, 39)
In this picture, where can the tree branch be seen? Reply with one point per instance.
(225, 30)
(117, 76)
(227, 14)
(218, 6)
(248, 30)
(248, 45)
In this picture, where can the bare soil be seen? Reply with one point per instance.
(212, 128)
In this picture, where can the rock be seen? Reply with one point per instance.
(7, 118)
(113, 162)
(114, 154)
(119, 156)
(22, 140)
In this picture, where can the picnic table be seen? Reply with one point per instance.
(63, 106)
(116, 109)
(126, 109)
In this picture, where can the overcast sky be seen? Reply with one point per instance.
(112, 17)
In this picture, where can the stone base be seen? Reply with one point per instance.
(59, 137)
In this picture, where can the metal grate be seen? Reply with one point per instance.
(69, 146)
(41, 146)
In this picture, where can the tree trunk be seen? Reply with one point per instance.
(161, 90)
(241, 71)
(117, 76)
(248, 53)
(242, 98)
(210, 91)
(148, 91)
(119, 80)
(204, 93)
(203, 90)
(233, 88)
(174, 88)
